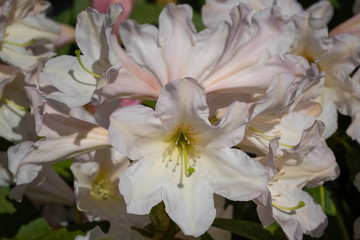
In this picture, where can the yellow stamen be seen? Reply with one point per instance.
(99, 190)
(300, 205)
(32, 41)
(269, 138)
(78, 52)
(25, 109)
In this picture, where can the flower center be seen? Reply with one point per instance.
(185, 151)
(105, 189)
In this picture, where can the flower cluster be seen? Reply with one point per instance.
(243, 109)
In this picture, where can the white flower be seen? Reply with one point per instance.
(215, 11)
(181, 159)
(96, 185)
(309, 164)
(237, 59)
(76, 78)
(63, 137)
(26, 34)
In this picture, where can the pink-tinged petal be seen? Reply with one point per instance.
(232, 174)
(142, 183)
(193, 211)
(133, 129)
(130, 81)
(67, 35)
(255, 77)
(352, 26)
(197, 54)
(322, 9)
(141, 43)
(183, 29)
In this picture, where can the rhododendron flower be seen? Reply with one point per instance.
(96, 185)
(288, 99)
(236, 60)
(26, 34)
(215, 11)
(181, 159)
(16, 120)
(62, 137)
(76, 77)
(309, 164)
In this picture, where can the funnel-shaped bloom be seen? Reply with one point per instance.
(309, 164)
(181, 159)
(26, 34)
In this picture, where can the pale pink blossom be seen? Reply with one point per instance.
(310, 163)
(181, 159)
(235, 60)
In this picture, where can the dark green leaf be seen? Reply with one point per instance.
(5, 205)
(37, 229)
(149, 103)
(144, 12)
(242, 228)
(63, 234)
(159, 219)
(63, 168)
(206, 236)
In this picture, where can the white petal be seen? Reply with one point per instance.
(191, 206)
(142, 183)
(182, 102)
(232, 174)
(134, 131)
(323, 10)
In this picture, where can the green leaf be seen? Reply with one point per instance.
(37, 229)
(206, 236)
(159, 219)
(144, 12)
(324, 197)
(63, 168)
(198, 22)
(243, 228)
(335, 4)
(5, 205)
(63, 234)
(149, 103)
